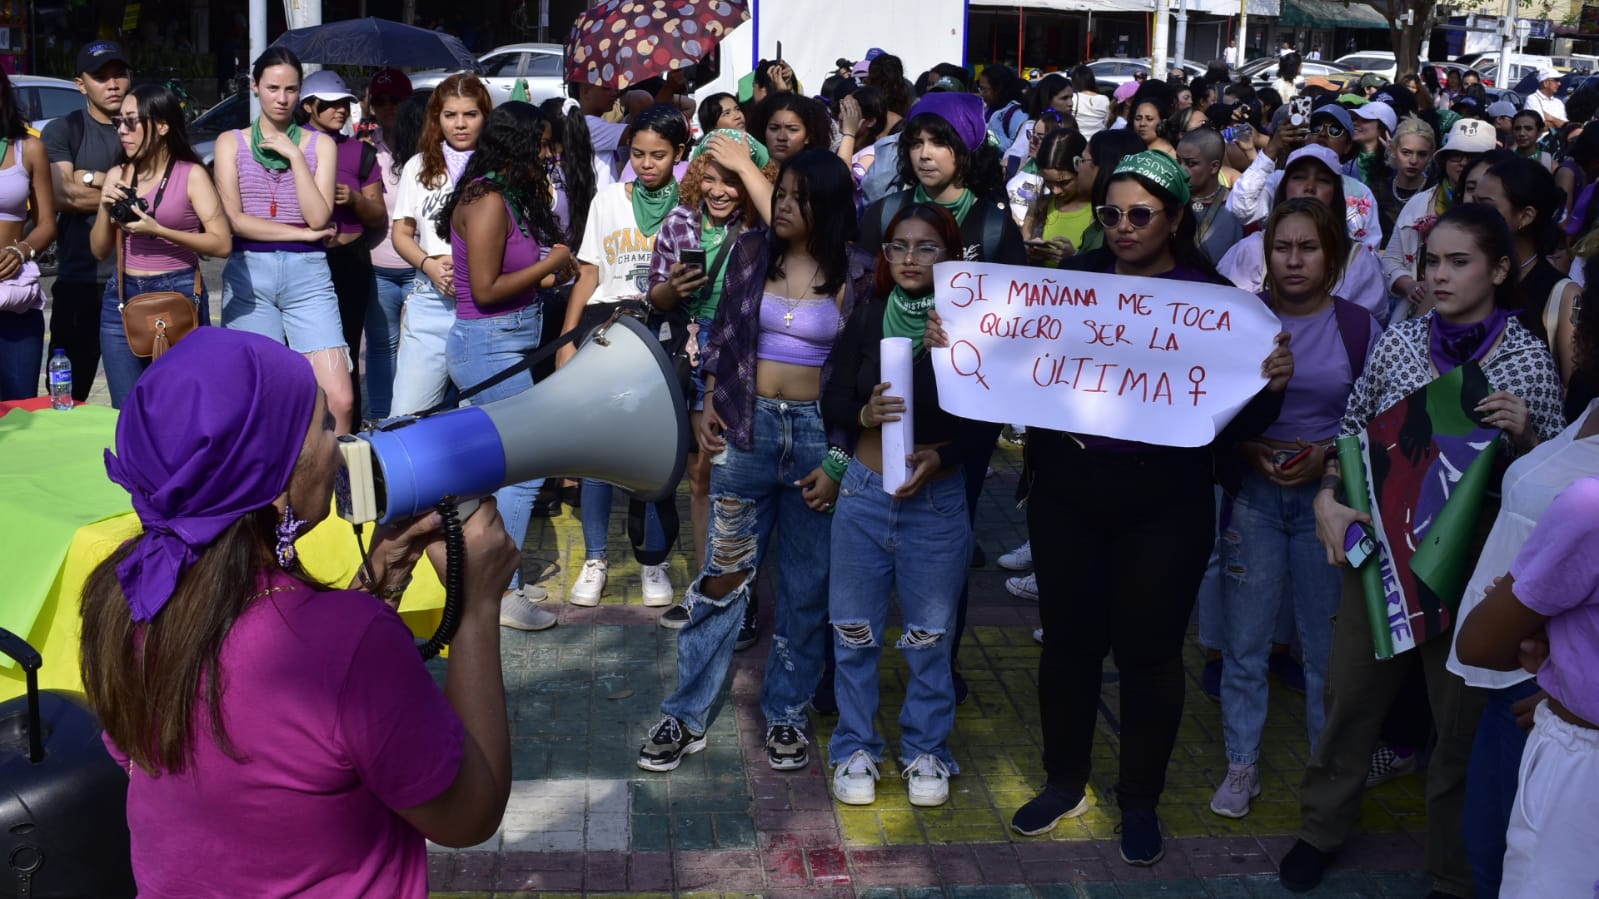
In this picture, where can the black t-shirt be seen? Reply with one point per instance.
(1011, 250)
(1532, 294)
(96, 152)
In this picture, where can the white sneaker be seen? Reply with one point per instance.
(1025, 586)
(518, 609)
(855, 781)
(657, 586)
(927, 781)
(590, 584)
(1018, 559)
(1038, 636)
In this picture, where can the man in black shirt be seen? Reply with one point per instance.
(82, 146)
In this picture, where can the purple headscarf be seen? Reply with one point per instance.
(964, 113)
(210, 433)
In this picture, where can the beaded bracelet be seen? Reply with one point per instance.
(836, 463)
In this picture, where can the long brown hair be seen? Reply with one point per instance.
(1331, 232)
(145, 680)
(1059, 151)
(431, 143)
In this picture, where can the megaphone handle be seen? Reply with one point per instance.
(453, 576)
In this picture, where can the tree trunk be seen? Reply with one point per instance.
(1406, 39)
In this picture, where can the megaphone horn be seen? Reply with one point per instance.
(614, 413)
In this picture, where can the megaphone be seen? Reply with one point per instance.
(614, 413)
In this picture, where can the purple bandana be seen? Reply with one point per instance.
(210, 433)
(1454, 345)
(455, 162)
(964, 112)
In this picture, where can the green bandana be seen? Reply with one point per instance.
(1159, 168)
(712, 237)
(758, 151)
(957, 207)
(268, 159)
(1030, 167)
(513, 200)
(906, 316)
(651, 206)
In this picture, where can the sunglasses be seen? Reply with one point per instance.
(921, 254)
(1331, 129)
(128, 122)
(1139, 217)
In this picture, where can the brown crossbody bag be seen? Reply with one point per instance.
(155, 321)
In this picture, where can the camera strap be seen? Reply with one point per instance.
(160, 191)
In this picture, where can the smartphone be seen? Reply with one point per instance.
(1359, 544)
(1298, 457)
(693, 259)
(779, 51)
(1299, 110)
(1238, 132)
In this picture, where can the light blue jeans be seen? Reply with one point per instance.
(917, 549)
(479, 348)
(1212, 618)
(752, 491)
(421, 372)
(1270, 552)
(383, 337)
(122, 368)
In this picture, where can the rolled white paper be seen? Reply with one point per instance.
(899, 437)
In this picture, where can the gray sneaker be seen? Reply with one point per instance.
(668, 743)
(1232, 797)
(519, 609)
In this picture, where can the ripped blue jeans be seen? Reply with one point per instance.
(752, 491)
(918, 549)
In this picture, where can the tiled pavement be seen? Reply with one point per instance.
(583, 819)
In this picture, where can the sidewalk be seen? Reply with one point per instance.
(583, 819)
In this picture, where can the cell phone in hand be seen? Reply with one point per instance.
(693, 259)
(1298, 457)
(1299, 110)
(779, 51)
(1359, 544)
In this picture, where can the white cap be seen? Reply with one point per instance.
(325, 85)
(1469, 136)
(1377, 112)
(1548, 74)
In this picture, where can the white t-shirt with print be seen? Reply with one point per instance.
(415, 202)
(613, 243)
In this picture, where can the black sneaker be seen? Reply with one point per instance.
(1047, 809)
(749, 633)
(1303, 867)
(667, 745)
(785, 747)
(1142, 845)
(675, 618)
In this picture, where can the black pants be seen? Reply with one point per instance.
(1120, 541)
(353, 282)
(75, 327)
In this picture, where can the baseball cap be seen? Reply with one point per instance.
(1336, 113)
(1548, 74)
(1501, 108)
(946, 84)
(1316, 153)
(1125, 90)
(1469, 136)
(325, 85)
(1378, 112)
(390, 83)
(874, 53)
(97, 54)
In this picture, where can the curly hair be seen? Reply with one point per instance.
(502, 165)
(691, 188)
(431, 144)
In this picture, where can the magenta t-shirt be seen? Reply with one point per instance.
(336, 723)
(1557, 575)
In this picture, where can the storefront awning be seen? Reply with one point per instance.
(1070, 5)
(1330, 14)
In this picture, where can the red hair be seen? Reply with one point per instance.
(431, 143)
(944, 225)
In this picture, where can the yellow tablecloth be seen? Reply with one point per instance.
(52, 479)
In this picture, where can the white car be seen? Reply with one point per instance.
(41, 99)
(1379, 61)
(541, 64)
(1120, 70)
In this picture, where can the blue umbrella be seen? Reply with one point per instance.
(379, 43)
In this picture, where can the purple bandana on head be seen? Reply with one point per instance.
(210, 433)
(964, 112)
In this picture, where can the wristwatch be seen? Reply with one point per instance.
(88, 179)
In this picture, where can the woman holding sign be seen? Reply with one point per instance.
(1269, 551)
(1121, 532)
(1468, 263)
(914, 539)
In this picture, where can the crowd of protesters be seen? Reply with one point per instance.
(1397, 231)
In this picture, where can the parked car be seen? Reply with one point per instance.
(1116, 71)
(541, 64)
(41, 99)
(1263, 72)
(1379, 61)
(232, 114)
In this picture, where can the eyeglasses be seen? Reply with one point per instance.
(921, 254)
(1138, 216)
(1331, 129)
(1077, 162)
(1034, 137)
(128, 122)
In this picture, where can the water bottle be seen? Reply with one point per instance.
(60, 380)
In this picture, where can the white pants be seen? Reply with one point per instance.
(1552, 846)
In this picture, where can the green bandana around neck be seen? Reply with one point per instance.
(1030, 167)
(1159, 168)
(269, 160)
(513, 201)
(957, 207)
(906, 316)
(651, 206)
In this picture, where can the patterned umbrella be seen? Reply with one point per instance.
(622, 42)
(379, 43)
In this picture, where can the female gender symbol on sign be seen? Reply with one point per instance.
(975, 359)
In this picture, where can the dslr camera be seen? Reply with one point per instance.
(122, 211)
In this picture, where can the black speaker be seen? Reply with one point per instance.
(63, 799)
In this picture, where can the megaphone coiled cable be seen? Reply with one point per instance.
(454, 580)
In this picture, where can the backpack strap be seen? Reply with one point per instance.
(1354, 327)
(888, 208)
(994, 216)
(1551, 312)
(369, 159)
(75, 133)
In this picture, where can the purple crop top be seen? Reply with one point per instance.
(521, 251)
(14, 185)
(799, 332)
(157, 254)
(271, 195)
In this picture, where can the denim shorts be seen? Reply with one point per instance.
(284, 296)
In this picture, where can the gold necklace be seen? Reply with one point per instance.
(790, 303)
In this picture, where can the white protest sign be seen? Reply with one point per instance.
(1147, 359)
(896, 359)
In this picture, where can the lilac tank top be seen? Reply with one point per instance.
(799, 332)
(155, 254)
(14, 185)
(521, 251)
(269, 195)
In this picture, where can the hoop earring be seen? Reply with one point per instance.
(288, 529)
